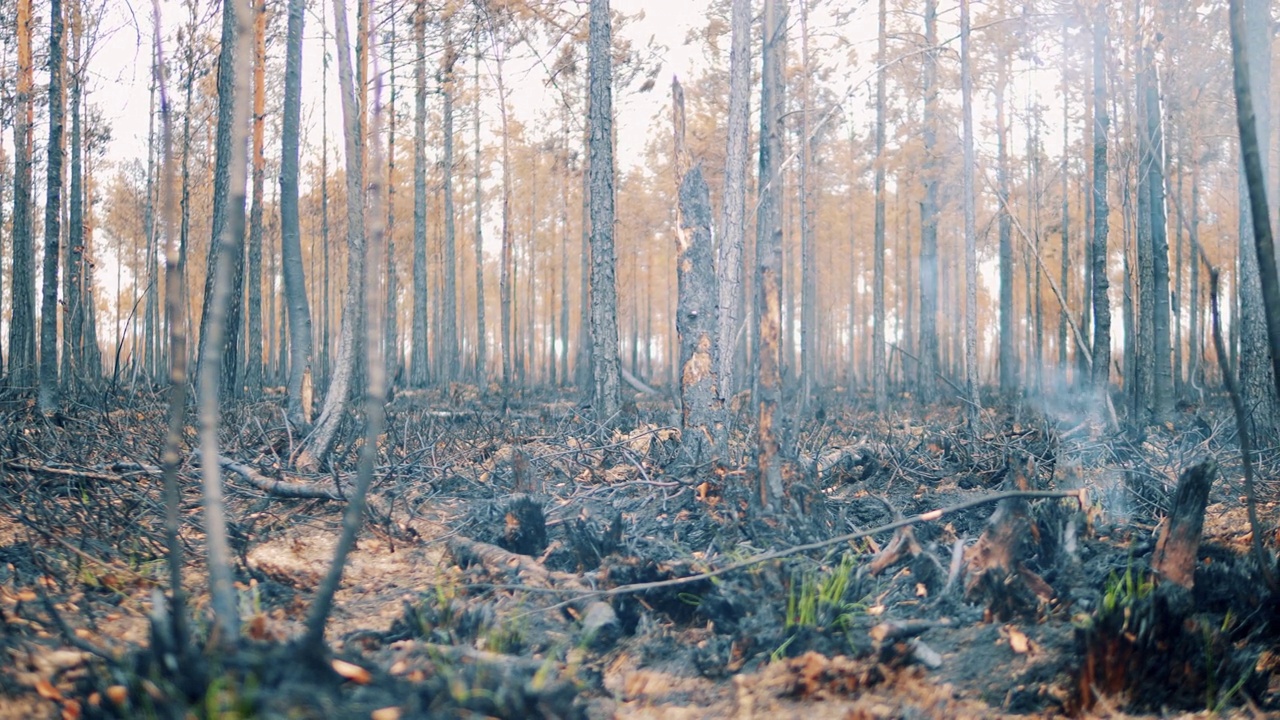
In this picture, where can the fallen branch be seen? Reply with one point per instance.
(930, 516)
(276, 488)
(636, 382)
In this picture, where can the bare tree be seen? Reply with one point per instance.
(22, 319)
(604, 298)
(970, 229)
(48, 394)
(877, 282)
(768, 280)
(929, 212)
(237, 53)
(1101, 122)
(223, 243)
(448, 344)
(319, 443)
(702, 410)
(295, 285)
(732, 223)
(418, 364)
(253, 338)
(1256, 382)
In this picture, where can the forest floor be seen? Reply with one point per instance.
(519, 560)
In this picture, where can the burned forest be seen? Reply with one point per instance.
(399, 359)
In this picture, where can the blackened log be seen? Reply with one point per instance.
(1178, 545)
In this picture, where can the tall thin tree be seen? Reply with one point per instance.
(606, 393)
(295, 285)
(48, 394)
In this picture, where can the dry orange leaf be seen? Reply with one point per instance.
(71, 710)
(46, 690)
(118, 695)
(398, 667)
(386, 713)
(351, 671)
(1018, 641)
(27, 595)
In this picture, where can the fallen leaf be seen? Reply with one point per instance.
(386, 713)
(118, 695)
(398, 667)
(1018, 641)
(352, 672)
(71, 710)
(46, 690)
(875, 610)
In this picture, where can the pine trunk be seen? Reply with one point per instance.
(606, 396)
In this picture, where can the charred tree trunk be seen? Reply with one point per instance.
(970, 229)
(48, 394)
(1101, 209)
(482, 340)
(295, 285)
(928, 350)
(1257, 381)
(604, 299)
(701, 407)
(226, 243)
(877, 283)
(449, 331)
(253, 341)
(22, 319)
(1008, 357)
(1162, 373)
(319, 443)
(418, 359)
(732, 224)
(768, 381)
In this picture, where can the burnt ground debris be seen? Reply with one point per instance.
(500, 531)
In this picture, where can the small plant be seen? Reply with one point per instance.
(818, 600)
(1123, 592)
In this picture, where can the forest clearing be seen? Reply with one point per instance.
(896, 363)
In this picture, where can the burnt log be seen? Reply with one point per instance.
(1178, 543)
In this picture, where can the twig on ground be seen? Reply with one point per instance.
(930, 516)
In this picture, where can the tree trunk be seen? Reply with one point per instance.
(295, 286)
(970, 229)
(702, 410)
(505, 282)
(1101, 210)
(768, 380)
(449, 332)
(482, 339)
(390, 330)
(604, 300)
(928, 351)
(877, 283)
(317, 446)
(75, 309)
(230, 244)
(808, 270)
(418, 359)
(22, 320)
(48, 394)
(253, 344)
(1162, 377)
(1256, 374)
(1008, 359)
(732, 225)
(220, 312)
(1064, 171)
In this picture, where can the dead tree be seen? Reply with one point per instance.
(316, 448)
(702, 414)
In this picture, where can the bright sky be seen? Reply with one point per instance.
(121, 70)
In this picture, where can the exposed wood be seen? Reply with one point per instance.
(1177, 546)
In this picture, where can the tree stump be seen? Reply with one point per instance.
(1177, 548)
